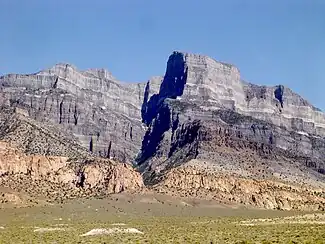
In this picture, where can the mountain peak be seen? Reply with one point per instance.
(99, 73)
(201, 58)
(57, 69)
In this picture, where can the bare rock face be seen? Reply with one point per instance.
(205, 112)
(101, 112)
(192, 180)
(198, 90)
(200, 130)
(58, 178)
(40, 160)
(36, 138)
(213, 85)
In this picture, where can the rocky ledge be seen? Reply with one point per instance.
(39, 160)
(102, 113)
(61, 178)
(205, 112)
(200, 130)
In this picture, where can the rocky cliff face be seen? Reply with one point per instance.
(38, 160)
(36, 138)
(199, 129)
(58, 178)
(213, 85)
(198, 180)
(101, 112)
(204, 111)
(198, 88)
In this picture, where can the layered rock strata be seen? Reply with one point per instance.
(101, 112)
(39, 160)
(205, 112)
(199, 130)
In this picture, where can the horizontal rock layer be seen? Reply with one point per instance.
(197, 88)
(201, 111)
(205, 112)
(102, 113)
(193, 181)
(57, 178)
(213, 85)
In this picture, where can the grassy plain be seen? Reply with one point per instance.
(161, 219)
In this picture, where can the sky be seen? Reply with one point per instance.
(271, 42)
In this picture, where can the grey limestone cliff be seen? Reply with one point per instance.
(214, 85)
(203, 109)
(200, 129)
(198, 100)
(103, 113)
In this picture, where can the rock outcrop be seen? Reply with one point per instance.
(37, 138)
(193, 180)
(197, 88)
(102, 113)
(214, 85)
(200, 130)
(204, 111)
(40, 160)
(58, 178)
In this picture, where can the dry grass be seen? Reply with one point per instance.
(169, 222)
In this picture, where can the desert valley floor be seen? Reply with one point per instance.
(154, 218)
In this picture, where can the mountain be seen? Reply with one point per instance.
(40, 160)
(199, 131)
(101, 112)
(206, 123)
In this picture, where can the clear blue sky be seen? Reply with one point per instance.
(271, 41)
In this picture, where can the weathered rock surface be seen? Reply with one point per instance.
(39, 160)
(213, 85)
(197, 88)
(103, 113)
(57, 178)
(204, 111)
(195, 181)
(37, 138)
(200, 131)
